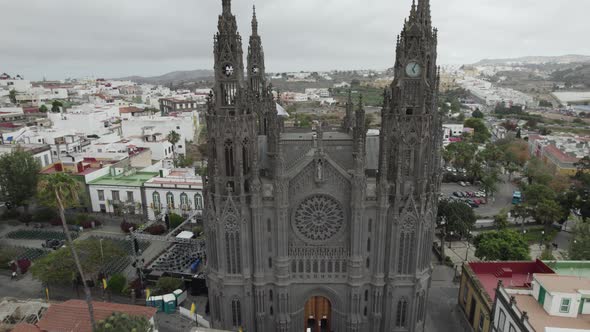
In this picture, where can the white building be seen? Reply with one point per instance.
(178, 191)
(41, 152)
(553, 303)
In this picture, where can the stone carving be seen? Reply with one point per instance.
(318, 218)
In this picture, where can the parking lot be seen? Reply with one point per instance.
(501, 199)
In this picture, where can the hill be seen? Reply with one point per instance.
(572, 76)
(533, 60)
(174, 77)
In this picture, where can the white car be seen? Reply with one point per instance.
(462, 184)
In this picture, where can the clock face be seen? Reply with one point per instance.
(413, 69)
(228, 70)
(255, 70)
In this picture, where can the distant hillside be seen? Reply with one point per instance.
(532, 60)
(577, 75)
(174, 77)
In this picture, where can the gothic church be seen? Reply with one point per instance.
(326, 229)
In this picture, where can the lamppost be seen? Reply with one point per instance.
(468, 245)
(443, 223)
(542, 238)
(451, 239)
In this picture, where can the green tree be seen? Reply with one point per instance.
(580, 245)
(477, 114)
(43, 109)
(19, 174)
(489, 182)
(56, 106)
(175, 220)
(501, 220)
(481, 133)
(167, 285)
(173, 138)
(459, 217)
(502, 245)
(12, 96)
(583, 165)
(61, 190)
(537, 172)
(119, 322)
(521, 211)
(547, 212)
(117, 283)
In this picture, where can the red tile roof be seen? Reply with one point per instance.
(72, 315)
(130, 109)
(24, 327)
(512, 274)
(562, 156)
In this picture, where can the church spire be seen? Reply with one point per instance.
(226, 6)
(254, 22)
(424, 12)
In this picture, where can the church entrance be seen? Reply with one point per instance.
(318, 314)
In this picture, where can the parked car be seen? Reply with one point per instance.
(456, 194)
(53, 244)
(462, 184)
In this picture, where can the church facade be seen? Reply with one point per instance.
(325, 229)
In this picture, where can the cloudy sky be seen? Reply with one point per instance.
(113, 38)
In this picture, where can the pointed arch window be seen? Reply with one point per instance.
(170, 200)
(421, 307)
(401, 313)
(156, 201)
(236, 313)
(406, 248)
(232, 251)
(198, 201)
(184, 201)
(229, 158)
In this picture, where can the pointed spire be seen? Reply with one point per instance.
(226, 6)
(254, 22)
(413, 11)
(424, 12)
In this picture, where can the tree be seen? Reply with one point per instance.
(56, 106)
(481, 133)
(459, 217)
(43, 109)
(537, 172)
(61, 190)
(124, 322)
(175, 220)
(477, 114)
(19, 174)
(489, 182)
(580, 245)
(583, 165)
(502, 245)
(547, 212)
(58, 267)
(501, 220)
(173, 137)
(12, 96)
(521, 211)
(167, 285)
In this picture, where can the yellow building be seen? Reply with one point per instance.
(478, 283)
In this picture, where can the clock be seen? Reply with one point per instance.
(228, 70)
(413, 69)
(255, 70)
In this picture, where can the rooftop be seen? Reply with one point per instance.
(73, 315)
(540, 319)
(512, 274)
(570, 268)
(563, 284)
(131, 180)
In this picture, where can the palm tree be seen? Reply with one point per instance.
(173, 137)
(61, 190)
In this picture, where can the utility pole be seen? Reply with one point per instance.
(137, 260)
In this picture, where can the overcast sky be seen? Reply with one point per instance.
(113, 38)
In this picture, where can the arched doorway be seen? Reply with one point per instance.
(318, 314)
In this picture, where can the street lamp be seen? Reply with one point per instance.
(542, 238)
(451, 239)
(468, 245)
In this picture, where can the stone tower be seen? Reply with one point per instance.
(322, 228)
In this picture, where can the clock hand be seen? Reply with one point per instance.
(414, 68)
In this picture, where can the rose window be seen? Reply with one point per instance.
(319, 218)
